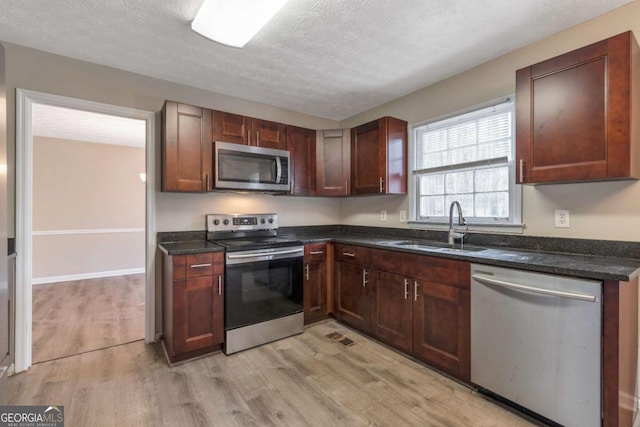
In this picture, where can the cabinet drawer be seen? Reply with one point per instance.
(390, 261)
(315, 252)
(352, 254)
(437, 270)
(199, 265)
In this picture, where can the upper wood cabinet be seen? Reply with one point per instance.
(228, 127)
(186, 148)
(573, 114)
(379, 157)
(301, 143)
(332, 163)
(238, 129)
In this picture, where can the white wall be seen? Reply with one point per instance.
(94, 188)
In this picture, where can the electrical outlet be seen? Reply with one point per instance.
(403, 216)
(563, 219)
(383, 215)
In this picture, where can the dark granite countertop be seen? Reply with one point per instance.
(189, 247)
(545, 255)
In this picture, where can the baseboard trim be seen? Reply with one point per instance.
(83, 276)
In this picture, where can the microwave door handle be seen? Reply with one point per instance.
(278, 169)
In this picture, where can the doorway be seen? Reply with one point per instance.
(37, 234)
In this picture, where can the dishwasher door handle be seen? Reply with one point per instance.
(531, 289)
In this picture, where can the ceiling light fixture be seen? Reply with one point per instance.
(234, 22)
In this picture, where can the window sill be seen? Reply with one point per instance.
(473, 227)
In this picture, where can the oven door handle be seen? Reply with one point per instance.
(258, 254)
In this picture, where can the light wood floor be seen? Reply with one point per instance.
(74, 317)
(306, 380)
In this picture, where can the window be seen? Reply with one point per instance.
(467, 157)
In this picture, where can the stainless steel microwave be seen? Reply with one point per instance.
(247, 168)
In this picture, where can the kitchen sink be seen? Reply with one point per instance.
(436, 247)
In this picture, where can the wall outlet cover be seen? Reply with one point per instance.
(403, 216)
(562, 218)
(383, 215)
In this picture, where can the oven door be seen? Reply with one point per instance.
(262, 285)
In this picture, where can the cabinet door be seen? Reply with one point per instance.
(378, 157)
(301, 143)
(368, 158)
(268, 134)
(197, 313)
(351, 295)
(315, 283)
(186, 148)
(229, 127)
(573, 115)
(333, 163)
(441, 327)
(392, 309)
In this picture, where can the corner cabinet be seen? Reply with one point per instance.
(301, 143)
(186, 148)
(573, 115)
(379, 157)
(192, 304)
(332, 163)
(238, 129)
(351, 284)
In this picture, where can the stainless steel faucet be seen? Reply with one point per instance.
(453, 234)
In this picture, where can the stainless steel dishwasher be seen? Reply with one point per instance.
(535, 340)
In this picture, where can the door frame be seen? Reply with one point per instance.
(24, 211)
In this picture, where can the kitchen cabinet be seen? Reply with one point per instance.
(301, 144)
(186, 148)
(193, 304)
(333, 163)
(573, 115)
(352, 286)
(441, 313)
(228, 127)
(315, 282)
(391, 300)
(379, 157)
(238, 129)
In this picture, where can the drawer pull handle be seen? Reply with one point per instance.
(349, 254)
(200, 265)
(316, 252)
(219, 285)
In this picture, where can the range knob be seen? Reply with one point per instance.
(226, 222)
(216, 222)
(270, 220)
(262, 221)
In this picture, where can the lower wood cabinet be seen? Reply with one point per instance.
(352, 295)
(418, 304)
(193, 304)
(315, 282)
(392, 309)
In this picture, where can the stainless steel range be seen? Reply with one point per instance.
(263, 279)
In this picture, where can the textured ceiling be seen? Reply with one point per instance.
(77, 125)
(328, 58)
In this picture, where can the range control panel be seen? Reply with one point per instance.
(241, 222)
